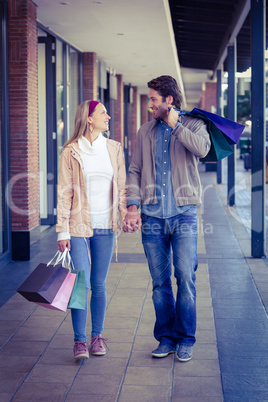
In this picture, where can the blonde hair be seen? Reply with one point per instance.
(80, 122)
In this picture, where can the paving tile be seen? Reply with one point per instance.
(5, 396)
(62, 341)
(145, 329)
(58, 356)
(197, 387)
(143, 376)
(144, 359)
(92, 385)
(124, 335)
(206, 336)
(41, 392)
(9, 383)
(53, 373)
(145, 343)
(16, 363)
(90, 398)
(205, 323)
(24, 348)
(197, 368)
(14, 315)
(118, 350)
(8, 327)
(204, 351)
(117, 321)
(146, 393)
(104, 365)
(204, 312)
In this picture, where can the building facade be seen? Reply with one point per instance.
(43, 79)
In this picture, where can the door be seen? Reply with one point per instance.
(47, 129)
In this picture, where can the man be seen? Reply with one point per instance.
(164, 181)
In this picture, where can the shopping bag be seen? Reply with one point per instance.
(61, 300)
(78, 297)
(229, 128)
(220, 147)
(44, 282)
(223, 133)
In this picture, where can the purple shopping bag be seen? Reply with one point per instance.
(43, 283)
(61, 300)
(229, 128)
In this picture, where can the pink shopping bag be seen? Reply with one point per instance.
(61, 300)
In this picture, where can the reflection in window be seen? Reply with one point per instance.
(60, 98)
(73, 86)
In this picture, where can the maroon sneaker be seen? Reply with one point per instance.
(81, 350)
(97, 347)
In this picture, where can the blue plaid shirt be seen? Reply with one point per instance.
(166, 204)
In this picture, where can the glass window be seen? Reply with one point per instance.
(73, 85)
(60, 98)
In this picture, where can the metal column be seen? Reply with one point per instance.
(258, 29)
(232, 115)
(219, 112)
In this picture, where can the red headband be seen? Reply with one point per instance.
(91, 107)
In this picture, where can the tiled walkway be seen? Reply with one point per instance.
(230, 356)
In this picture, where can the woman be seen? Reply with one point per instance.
(91, 205)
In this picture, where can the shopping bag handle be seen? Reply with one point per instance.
(64, 258)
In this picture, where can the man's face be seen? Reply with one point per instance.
(156, 103)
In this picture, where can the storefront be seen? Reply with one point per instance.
(59, 93)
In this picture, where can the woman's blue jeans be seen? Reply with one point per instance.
(100, 246)
(175, 319)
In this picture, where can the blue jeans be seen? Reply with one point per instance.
(175, 319)
(100, 246)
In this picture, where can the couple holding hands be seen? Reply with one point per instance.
(94, 201)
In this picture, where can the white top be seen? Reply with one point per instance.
(98, 176)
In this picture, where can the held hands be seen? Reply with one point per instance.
(132, 221)
(63, 244)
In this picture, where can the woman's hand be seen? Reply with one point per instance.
(63, 244)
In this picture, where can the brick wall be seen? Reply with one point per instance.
(23, 99)
(119, 111)
(208, 99)
(144, 110)
(90, 89)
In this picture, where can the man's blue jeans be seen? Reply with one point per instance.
(175, 319)
(100, 246)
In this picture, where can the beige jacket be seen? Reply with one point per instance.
(73, 211)
(189, 142)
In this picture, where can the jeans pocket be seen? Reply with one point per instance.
(192, 211)
(144, 217)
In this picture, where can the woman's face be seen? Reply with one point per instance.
(99, 119)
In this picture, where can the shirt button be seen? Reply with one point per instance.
(165, 162)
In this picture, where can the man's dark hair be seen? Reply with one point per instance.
(167, 85)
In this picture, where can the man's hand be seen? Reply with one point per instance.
(63, 244)
(132, 221)
(172, 117)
